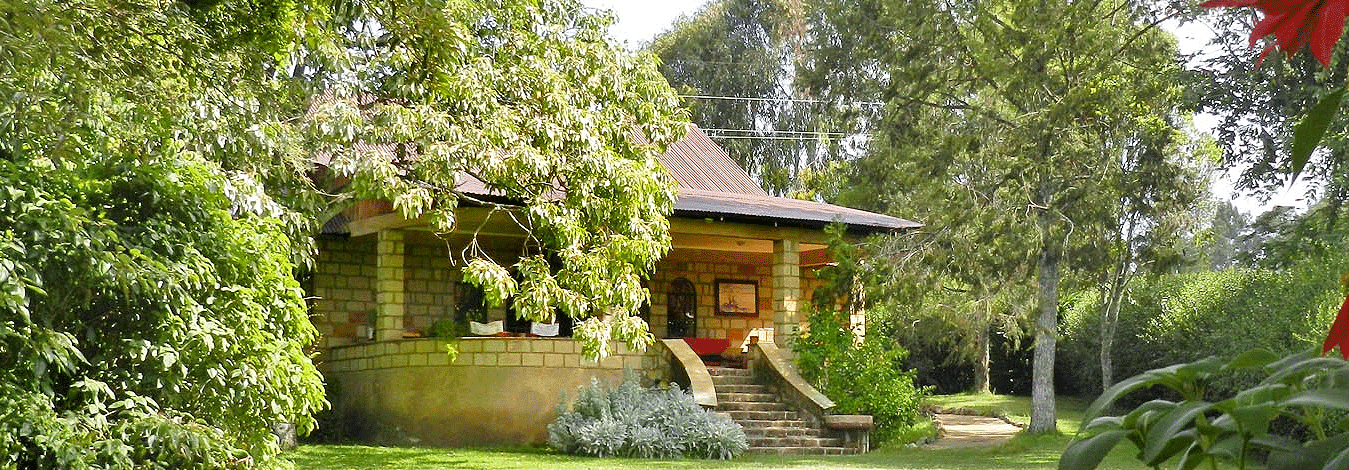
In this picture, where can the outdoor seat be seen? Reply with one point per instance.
(709, 349)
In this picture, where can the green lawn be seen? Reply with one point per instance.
(1021, 453)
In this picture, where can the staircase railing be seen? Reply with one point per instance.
(683, 359)
(771, 367)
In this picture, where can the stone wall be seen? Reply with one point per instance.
(431, 285)
(343, 286)
(703, 275)
(497, 391)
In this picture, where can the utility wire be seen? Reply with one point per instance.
(765, 131)
(755, 137)
(777, 100)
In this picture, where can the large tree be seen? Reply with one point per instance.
(1009, 135)
(157, 192)
(737, 62)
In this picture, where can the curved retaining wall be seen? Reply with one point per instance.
(499, 391)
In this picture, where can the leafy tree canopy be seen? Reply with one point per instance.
(1021, 132)
(157, 192)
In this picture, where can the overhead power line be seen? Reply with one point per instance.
(758, 137)
(777, 100)
(766, 131)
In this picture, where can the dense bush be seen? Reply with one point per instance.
(1183, 318)
(864, 377)
(146, 321)
(629, 421)
(934, 358)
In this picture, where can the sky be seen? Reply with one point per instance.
(640, 20)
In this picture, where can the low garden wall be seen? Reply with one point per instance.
(498, 391)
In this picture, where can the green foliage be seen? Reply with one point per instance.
(1235, 428)
(629, 421)
(531, 99)
(1184, 317)
(157, 193)
(146, 321)
(1311, 129)
(748, 48)
(1260, 109)
(865, 377)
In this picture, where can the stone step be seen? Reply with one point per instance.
(742, 388)
(795, 441)
(719, 380)
(787, 431)
(746, 397)
(802, 450)
(739, 415)
(728, 372)
(751, 406)
(752, 425)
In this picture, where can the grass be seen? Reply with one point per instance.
(1022, 453)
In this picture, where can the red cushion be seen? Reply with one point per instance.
(707, 346)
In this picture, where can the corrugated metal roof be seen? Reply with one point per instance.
(698, 163)
(713, 185)
(698, 203)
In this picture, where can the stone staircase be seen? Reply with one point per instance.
(772, 427)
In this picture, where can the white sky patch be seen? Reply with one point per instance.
(1194, 37)
(640, 20)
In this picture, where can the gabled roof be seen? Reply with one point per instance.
(711, 185)
(700, 164)
(781, 211)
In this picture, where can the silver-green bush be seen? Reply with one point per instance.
(630, 421)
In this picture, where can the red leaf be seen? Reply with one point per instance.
(1339, 332)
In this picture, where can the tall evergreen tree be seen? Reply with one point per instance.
(1009, 129)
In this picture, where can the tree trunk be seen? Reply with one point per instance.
(981, 373)
(1110, 309)
(1042, 416)
(981, 381)
(1109, 319)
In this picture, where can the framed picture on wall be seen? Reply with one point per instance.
(737, 297)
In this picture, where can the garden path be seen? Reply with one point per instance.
(963, 431)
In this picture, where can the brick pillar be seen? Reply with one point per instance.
(786, 290)
(389, 283)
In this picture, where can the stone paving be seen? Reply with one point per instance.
(962, 432)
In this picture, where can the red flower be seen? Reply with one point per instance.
(1295, 23)
(1339, 332)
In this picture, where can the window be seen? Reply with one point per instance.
(682, 310)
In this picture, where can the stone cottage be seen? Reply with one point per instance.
(742, 264)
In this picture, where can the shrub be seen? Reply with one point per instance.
(862, 378)
(1234, 430)
(1183, 318)
(630, 421)
(163, 329)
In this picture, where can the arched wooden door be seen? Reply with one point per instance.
(682, 310)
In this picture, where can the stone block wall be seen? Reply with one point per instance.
(489, 351)
(430, 286)
(499, 391)
(704, 275)
(344, 289)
